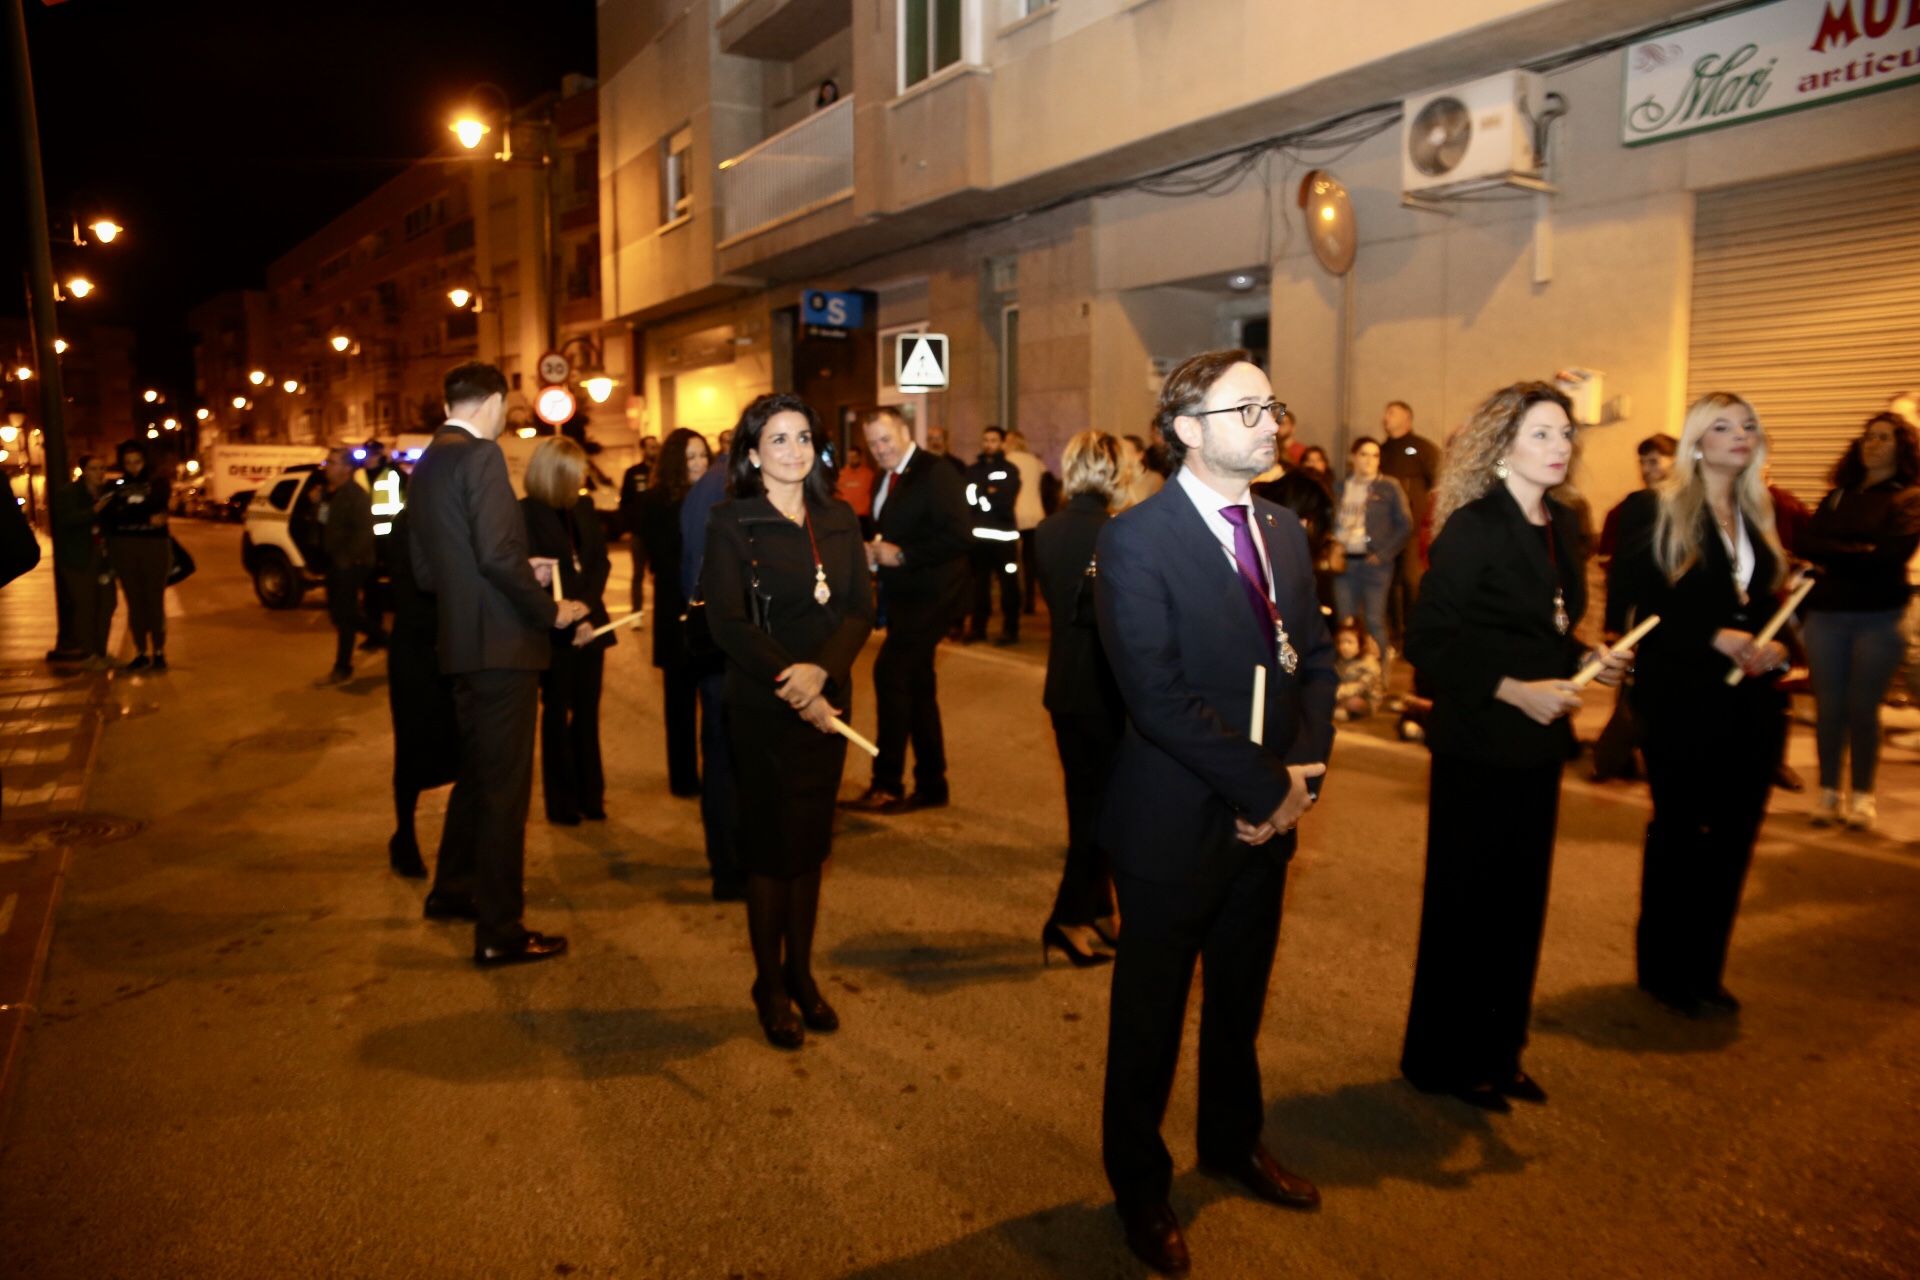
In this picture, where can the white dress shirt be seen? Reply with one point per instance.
(1208, 502)
(465, 426)
(884, 489)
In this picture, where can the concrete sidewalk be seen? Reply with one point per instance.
(50, 724)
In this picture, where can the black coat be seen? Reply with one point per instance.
(1079, 681)
(1676, 668)
(425, 735)
(1183, 642)
(657, 543)
(926, 517)
(470, 551)
(578, 541)
(1485, 612)
(787, 773)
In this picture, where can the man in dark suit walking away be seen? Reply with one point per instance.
(469, 548)
(1199, 585)
(920, 510)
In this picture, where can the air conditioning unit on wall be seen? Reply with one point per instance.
(1472, 136)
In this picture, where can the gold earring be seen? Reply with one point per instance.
(1500, 469)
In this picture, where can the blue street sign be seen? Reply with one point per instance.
(833, 310)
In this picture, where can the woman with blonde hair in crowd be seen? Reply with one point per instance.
(563, 526)
(1702, 553)
(1081, 696)
(1492, 636)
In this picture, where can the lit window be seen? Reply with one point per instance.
(929, 38)
(676, 175)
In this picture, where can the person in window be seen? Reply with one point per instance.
(657, 545)
(1861, 536)
(789, 601)
(1701, 552)
(1492, 634)
(563, 526)
(827, 95)
(134, 519)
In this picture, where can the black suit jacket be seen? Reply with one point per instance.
(1485, 612)
(1079, 681)
(926, 517)
(578, 541)
(1183, 643)
(470, 550)
(1676, 667)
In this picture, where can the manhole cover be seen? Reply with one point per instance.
(288, 741)
(66, 829)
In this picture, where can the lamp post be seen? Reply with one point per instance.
(470, 127)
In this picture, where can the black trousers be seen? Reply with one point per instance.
(1403, 591)
(571, 777)
(990, 561)
(1489, 857)
(1230, 925)
(716, 783)
(484, 843)
(1710, 770)
(142, 561)
(345, 585)
(683, 733)
(907, 699)
(1088, 744)
(92, 604)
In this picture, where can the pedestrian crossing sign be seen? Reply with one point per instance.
(920, 362)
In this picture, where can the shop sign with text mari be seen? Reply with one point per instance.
(1765, 60)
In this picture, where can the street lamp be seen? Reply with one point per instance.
(202, 414)
(599, 387)
(60, 346)
(340, 342)
(239, 402)
(291, 386)
(153, 433)
(9, 433)
(79, 286)
(257, 377)
(150, 395)
(469, 131)
(24, 373)
(171, 424)
(105, 230)
(460, 297)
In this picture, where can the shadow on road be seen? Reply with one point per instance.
(535, 1044)
(1071, 1240)
(1363, 1135)
(941, 961)
(1621, 1016)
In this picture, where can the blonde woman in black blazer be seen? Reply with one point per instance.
(1493, 636)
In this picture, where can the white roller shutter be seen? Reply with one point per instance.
(1806, 301)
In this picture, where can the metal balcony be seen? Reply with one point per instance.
(795, 172)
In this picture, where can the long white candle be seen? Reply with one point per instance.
(1258, 731)
(846, 731)
(1777, 621)
(1623, 645)
(632, 619)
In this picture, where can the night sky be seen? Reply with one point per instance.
(223, 132)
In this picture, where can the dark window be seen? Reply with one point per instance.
(388, 292)
(462, 324)
(586, 166)
(418, 222)
(282, 494)
(459, 237)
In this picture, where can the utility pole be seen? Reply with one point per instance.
(40, 295)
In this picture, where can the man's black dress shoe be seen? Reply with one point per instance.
(1721, 1004)
(875, 800)
(404, 858)
(449, 906)
(595, 814)
(563, 819)
(1483, 1096)
(1261, 1174)
(1153, 1233)
(921, 800)
(531, 946)
(1523, 1088)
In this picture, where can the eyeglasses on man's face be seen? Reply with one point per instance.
(1249, 413)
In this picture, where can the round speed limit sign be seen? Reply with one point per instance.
(554, 368)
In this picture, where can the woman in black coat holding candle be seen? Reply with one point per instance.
(789, 602)
(563, 526)
(683, 460)
(1492, 635)
(1701, 552)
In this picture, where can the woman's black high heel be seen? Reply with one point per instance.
(814, 1009)
(778, 1020)
(1053, 936)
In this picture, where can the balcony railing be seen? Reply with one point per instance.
(796, 171)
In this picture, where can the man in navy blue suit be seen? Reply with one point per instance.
(1199, 585)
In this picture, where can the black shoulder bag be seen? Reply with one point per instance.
(696, 635)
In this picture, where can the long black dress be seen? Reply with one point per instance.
(657, 544)
(1711, 750)
(426, 741)
(571, 776)
(787, 773)
(1486, 612)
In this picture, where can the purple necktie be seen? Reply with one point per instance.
(1253, 574)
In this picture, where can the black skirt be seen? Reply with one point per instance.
(786, 784)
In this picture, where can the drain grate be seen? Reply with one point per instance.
(66, 829)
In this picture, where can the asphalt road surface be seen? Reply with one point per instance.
(256, 1060)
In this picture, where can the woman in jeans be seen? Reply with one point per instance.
(1861, 537)
(1371, 524)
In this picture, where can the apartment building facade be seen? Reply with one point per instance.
(358, 323)
(1079, 192)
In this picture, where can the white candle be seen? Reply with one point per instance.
(1259, 730)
